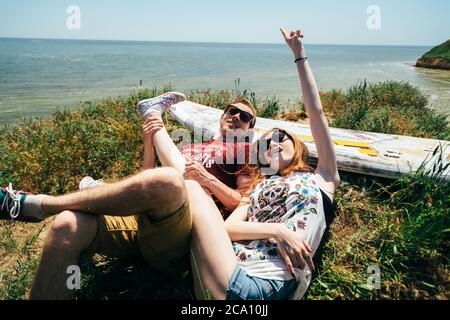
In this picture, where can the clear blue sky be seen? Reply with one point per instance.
(403, 22)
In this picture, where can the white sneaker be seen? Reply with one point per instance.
(89, 182)
(160, 103)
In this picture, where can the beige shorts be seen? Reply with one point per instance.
(164, 245)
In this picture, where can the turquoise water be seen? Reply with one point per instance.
(36, 76)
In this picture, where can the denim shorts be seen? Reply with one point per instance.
(245, 287)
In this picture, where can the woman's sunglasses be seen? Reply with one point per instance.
(277, 137)
(244, 116)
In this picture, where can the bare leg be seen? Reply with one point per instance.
(71, 233)
(167, 151)
(157, 192)
(212, 256)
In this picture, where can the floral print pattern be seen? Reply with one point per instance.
(288, 200)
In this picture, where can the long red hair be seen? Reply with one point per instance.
(299, 161)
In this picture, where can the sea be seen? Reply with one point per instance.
(38, 76)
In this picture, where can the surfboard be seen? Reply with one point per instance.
(376, 154)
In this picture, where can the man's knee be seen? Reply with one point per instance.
(71, 229)
(166, 186)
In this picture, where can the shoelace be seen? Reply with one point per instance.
(11, 202)
(168, 100)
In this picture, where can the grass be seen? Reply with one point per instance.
(387, 107)
(440, 51)
(136, 281)
(401, 226)
(19, 249)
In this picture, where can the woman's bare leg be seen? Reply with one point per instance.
(167, 151)
(212, 256)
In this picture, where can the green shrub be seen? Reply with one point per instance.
(270, 108)
(386, 107)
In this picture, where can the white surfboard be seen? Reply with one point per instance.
(376, 154)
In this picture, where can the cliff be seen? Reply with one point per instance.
(436, 58)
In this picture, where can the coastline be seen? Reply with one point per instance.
(437, 58)
(12, 115)
(40, 75)
(434, 63)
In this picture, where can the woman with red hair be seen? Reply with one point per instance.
(278, 227)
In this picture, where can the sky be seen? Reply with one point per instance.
(392, 22)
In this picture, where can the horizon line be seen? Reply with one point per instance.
(216, 42)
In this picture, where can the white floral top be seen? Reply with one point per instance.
(294, 200)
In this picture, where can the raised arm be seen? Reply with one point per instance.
(327, 166)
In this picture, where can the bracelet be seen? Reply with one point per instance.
(300, 59)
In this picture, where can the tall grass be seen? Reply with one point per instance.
(387, 107)
(102, 139)
(424, 199)
(401, 226)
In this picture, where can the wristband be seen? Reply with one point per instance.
(300, 59)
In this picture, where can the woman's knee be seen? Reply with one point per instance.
(72, 228)
(199, 196)
(193, 185)
(195, 190)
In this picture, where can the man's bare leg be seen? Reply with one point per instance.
(159, 191)
(72, 232)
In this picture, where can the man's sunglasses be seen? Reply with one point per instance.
(244, 116)
(277, 137)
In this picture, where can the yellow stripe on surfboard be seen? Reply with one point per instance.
(369, 152)
(363, 147)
